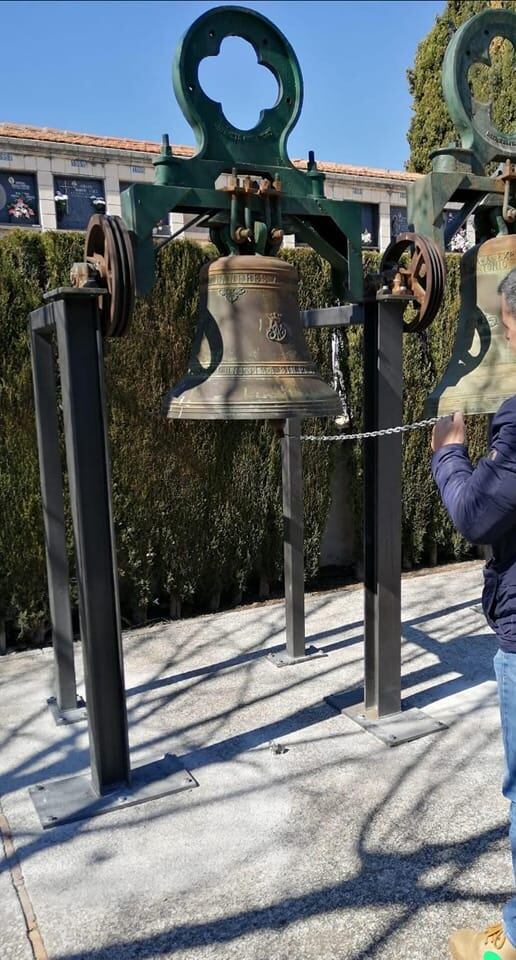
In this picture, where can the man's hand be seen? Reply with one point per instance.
(449, 430)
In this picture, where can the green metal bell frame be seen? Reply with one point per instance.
(188, 184)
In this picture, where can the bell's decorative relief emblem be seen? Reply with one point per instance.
(277, 330)
(232, 294)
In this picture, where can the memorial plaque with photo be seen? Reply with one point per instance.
(369, 224)
(399, 222)
(77, 199)
(18, 198)
(459, 243)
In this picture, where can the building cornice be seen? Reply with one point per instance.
(102, 149)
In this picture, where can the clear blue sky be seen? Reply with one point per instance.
(105, 68)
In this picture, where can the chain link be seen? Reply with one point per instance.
(373, 433)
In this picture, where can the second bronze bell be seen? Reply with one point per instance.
(249, 359)
(481, 373)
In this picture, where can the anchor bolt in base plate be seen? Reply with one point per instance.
(63, 801)
(72, 715)
(284, 659)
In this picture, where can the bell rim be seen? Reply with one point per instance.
(246, 410)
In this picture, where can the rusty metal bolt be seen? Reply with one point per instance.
(80, 273)
(399, 285)
(241, 235)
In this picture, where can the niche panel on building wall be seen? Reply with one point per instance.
(18, 198)
(77, 199)
(399, 222)
(459, 243)
(369, 224)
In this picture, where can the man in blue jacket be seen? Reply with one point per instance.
(481, 502)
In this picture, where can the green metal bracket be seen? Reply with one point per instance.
(277, 196)
(458, 173)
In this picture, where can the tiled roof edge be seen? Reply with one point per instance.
(51, 135)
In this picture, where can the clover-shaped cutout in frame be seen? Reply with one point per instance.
(217, 139)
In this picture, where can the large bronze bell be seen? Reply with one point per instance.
(249, 359)
(482, 369)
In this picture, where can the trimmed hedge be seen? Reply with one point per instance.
(197, 505)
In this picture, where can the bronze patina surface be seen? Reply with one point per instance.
(249, 358)
(482, 369)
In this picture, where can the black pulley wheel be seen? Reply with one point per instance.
(424, 275)
(108, 247)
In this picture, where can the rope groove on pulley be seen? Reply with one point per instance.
(109, 250)
(423, 278)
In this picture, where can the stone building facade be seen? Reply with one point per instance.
(55, 180)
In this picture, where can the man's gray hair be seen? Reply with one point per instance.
(508, 287)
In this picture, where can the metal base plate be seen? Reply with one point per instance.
(67, 716)
(63, 801)
(394, 729)
(284, 659)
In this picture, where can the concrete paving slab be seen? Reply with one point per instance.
(338, 847)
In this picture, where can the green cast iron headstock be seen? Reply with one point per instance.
(217, 139)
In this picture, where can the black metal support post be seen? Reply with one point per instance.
(112, 784)
(370, 506)
(382, 507)
(82, 385)
(293, 537)
(293, 549)
(68, 706)
(381, 711)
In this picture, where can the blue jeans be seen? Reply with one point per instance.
(505, 670)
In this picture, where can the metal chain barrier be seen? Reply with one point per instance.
(374, 433)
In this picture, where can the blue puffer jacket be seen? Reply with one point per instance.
(482, 505)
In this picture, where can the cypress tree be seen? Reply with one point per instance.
(431, 126)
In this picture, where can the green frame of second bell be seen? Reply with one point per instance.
(458, 172)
